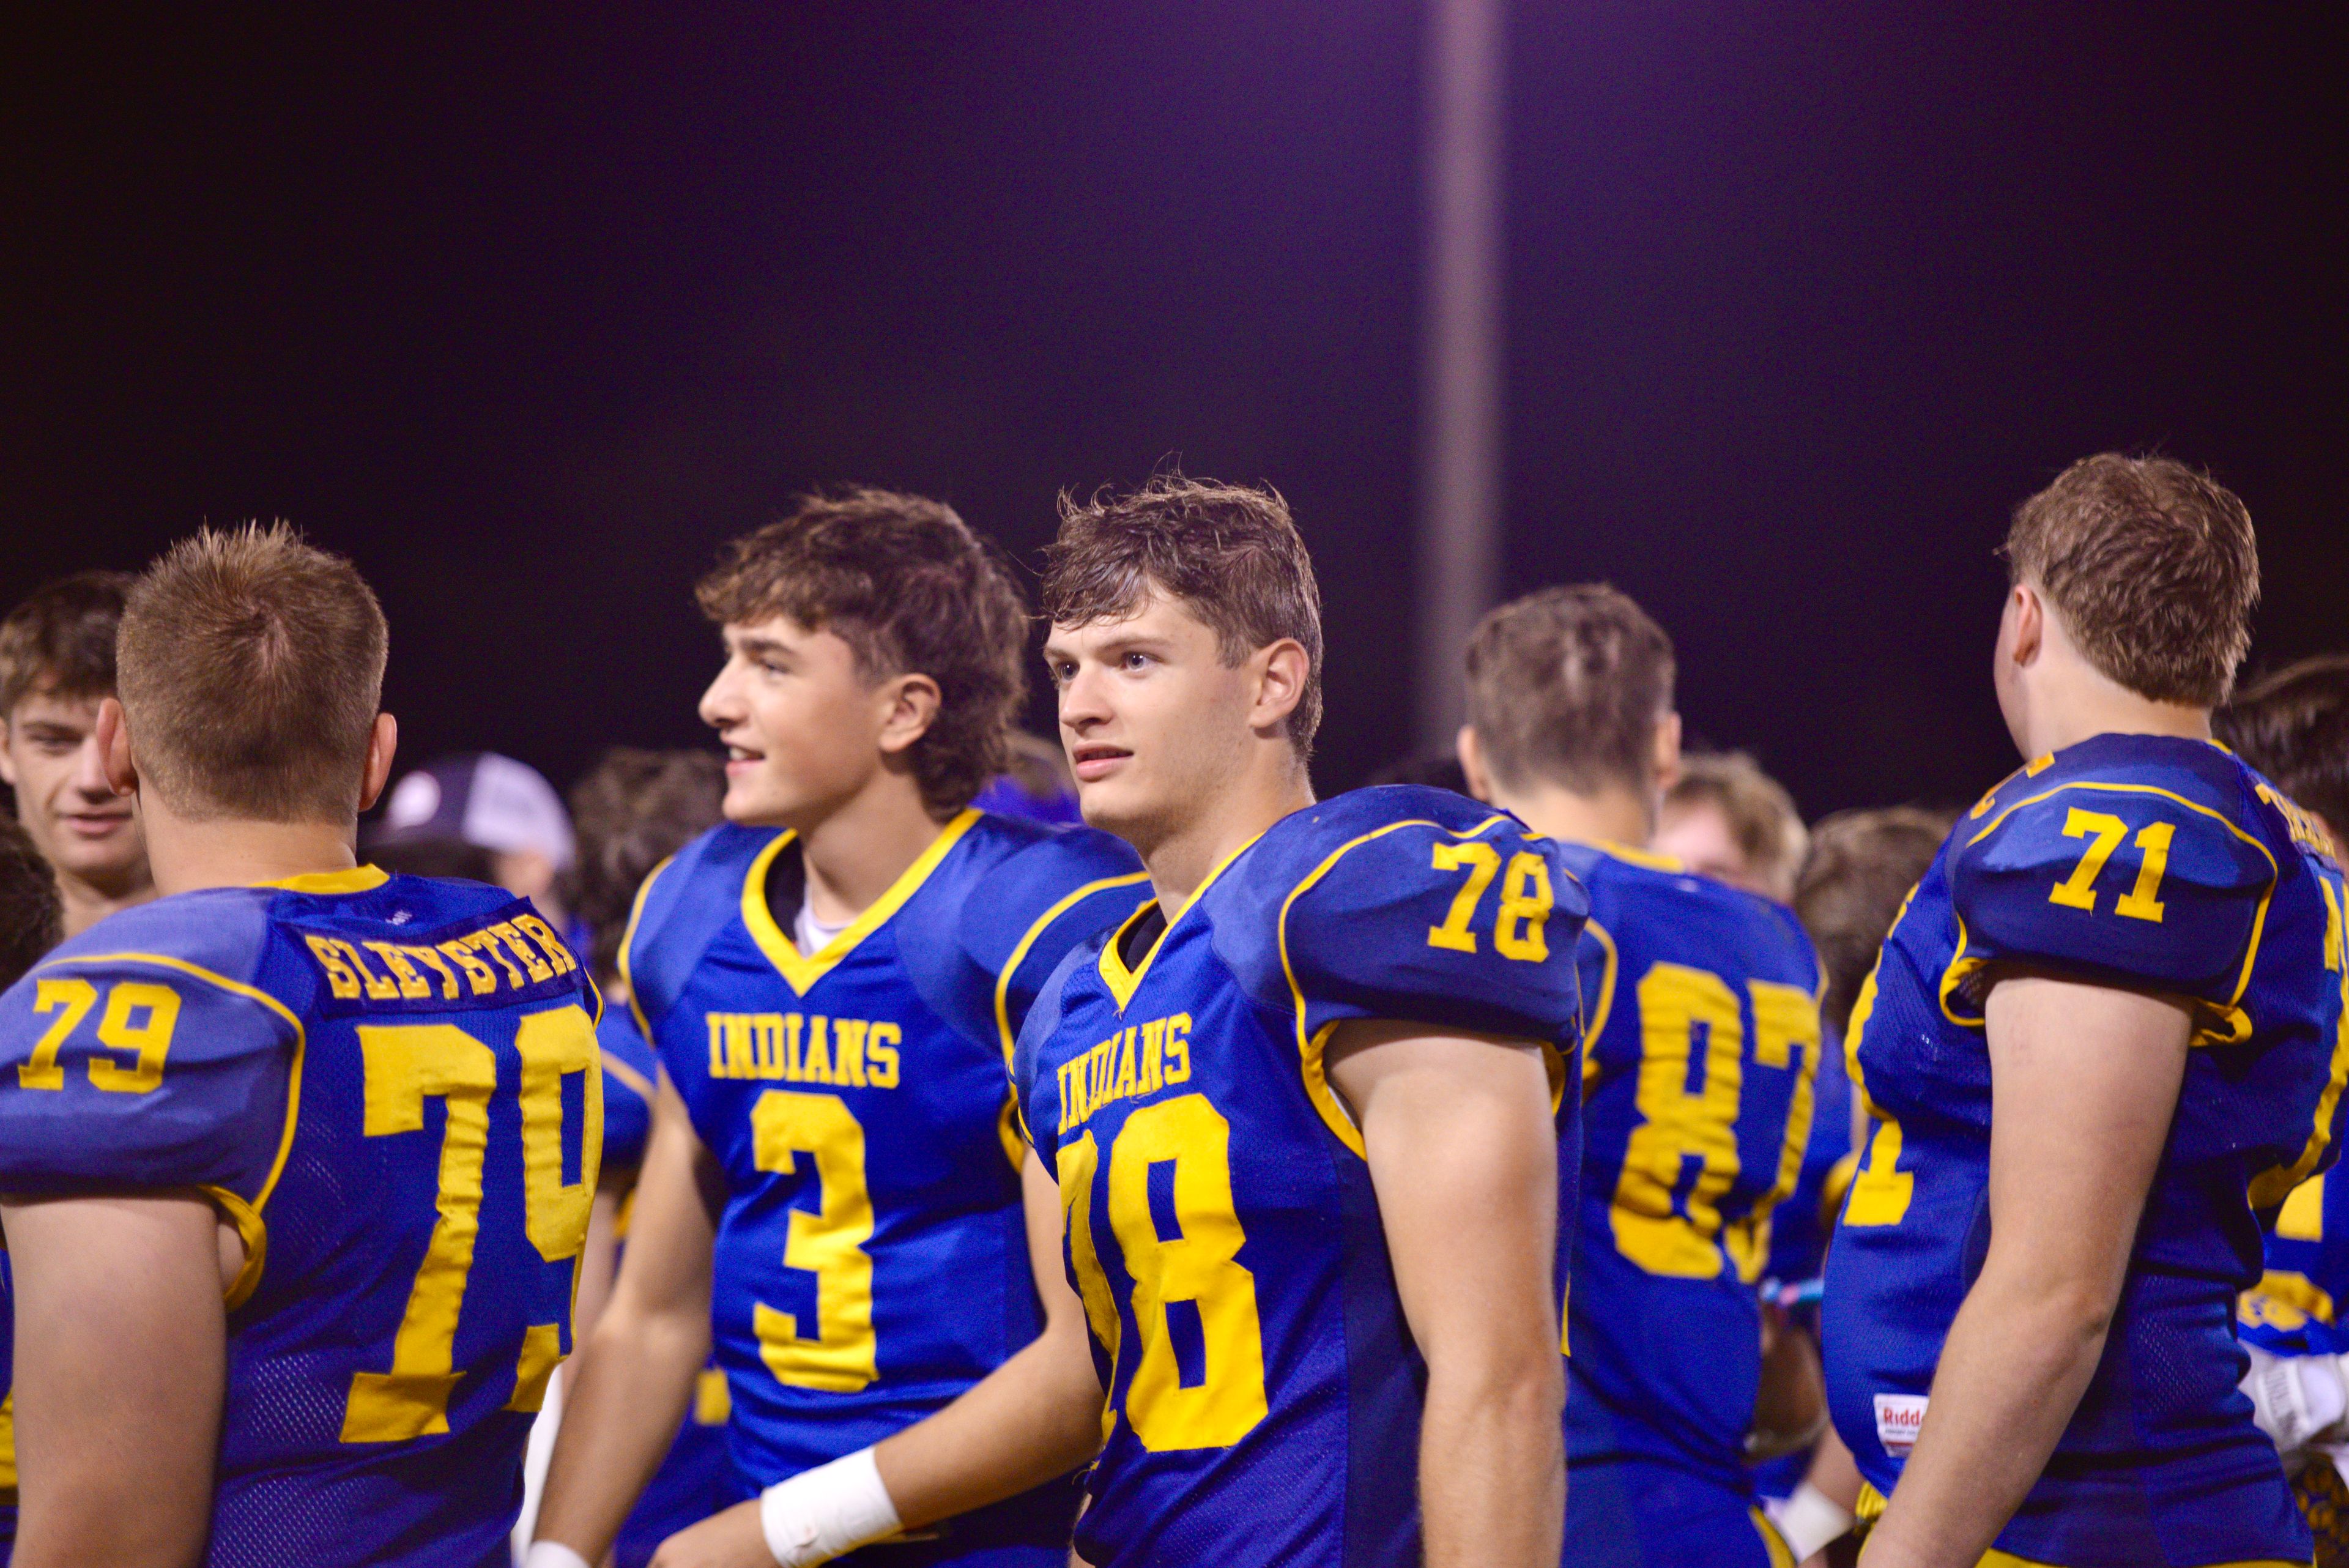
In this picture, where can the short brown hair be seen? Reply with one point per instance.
(631, 811)
(1761, 814)
(1862, 863)
(2294, 726)
(251, 675)
(911, 590)
(60, 639)
(1568, 685)
(2154, 567)
(1231, 553)
(32, 915)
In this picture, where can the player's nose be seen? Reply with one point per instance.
(90, 771)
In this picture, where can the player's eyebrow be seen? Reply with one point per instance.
(751, 646)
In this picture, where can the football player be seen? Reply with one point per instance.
(296, 1158)
(2293, 727)
(57, 664)
(832, 1189)
(32, 921)
(2104, 1035)
(1305, 1104)
(1700, 1005)
(633, 810)
(1724, 818)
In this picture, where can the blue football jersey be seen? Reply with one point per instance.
(1702, 1041)
(696, 1479)
(871, 1261)
(2296, 1307)
(2150, 862)
(1264, 1393)
(390, 1085)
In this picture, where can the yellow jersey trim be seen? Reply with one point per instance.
(628, 1076)
(1632, 856)
(1123, 983)
(1773, 1543)
(251, 993)
(1310, 1048)
(628, 940)
(800, 971)
(1044, 923)
(357, 879)
(2270, 1187)
(1597, 1025)
(253, 1232)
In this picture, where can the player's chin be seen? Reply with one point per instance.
(759, 800)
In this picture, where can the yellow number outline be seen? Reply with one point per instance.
(842, 1358)
(404, 1066)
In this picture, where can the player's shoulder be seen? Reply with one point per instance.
(1013, 872)
(1634, 890)
(1349, 848)
(1408, 903)
(2142, 859)
(154, 1048)
(682, 906)
(218, 933)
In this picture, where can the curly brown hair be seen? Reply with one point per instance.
(911, 589)
(2294, 726)
(32, 915)
(1231, 553)
(61, 638)
(2154, 568)
(631, 811)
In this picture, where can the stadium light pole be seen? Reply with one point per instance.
(1460, 380)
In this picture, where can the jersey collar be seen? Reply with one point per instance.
(1123, 983)
(802, 970)
(357, 879)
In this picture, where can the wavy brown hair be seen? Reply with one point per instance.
(911, 590)
(1231, 553)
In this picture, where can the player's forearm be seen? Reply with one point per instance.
(1035, 1417)
(1492, 1466)
(2017, 1359)
(635, 1378)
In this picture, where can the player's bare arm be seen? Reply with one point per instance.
(1035, 1417)
(1464, 1154)
(122, 1362)
(2084, 1083)
(636, 1371)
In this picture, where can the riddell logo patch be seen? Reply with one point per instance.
(1898, 1419)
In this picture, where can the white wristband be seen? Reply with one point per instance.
(553, 1554)
(1808, 1521)
(820, 1513)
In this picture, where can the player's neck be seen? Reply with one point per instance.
(856, 852)
(187, 854)
(2080, 703)
(1186, 855)
(1616, 813)
(87, 903)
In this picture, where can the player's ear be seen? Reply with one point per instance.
(909, 706)
(114, 747)
(1283, 669)
(1471, 764)
(1666, 754)
(2026, 624)
(383, 741)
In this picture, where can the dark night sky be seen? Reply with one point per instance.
(527, 309)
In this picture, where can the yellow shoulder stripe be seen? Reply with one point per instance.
(1019, 953)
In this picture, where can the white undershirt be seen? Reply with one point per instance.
(810, 935)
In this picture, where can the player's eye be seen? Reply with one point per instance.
(1135, 661)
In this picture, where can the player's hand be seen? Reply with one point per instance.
(729, 1540)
